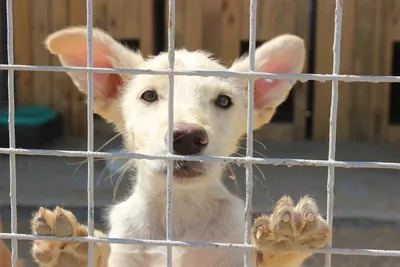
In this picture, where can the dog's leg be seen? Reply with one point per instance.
(60, 222)
(276, 236)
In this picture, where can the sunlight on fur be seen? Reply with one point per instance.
(209, 120)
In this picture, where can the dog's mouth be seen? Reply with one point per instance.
(187, 169)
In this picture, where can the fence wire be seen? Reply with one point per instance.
(248, 161)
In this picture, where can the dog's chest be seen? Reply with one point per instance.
(203, 257)
(220, 224)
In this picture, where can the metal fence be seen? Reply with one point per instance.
(248, 161)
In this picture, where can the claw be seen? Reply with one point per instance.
(259, 233)
(286, 217)
(42, 212)
(310, 217)
(59, 211)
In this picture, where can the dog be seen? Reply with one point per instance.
(209, 119)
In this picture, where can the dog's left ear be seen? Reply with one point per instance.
(283, 54)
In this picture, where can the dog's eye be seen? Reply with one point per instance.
(149, 96)
(223, 101)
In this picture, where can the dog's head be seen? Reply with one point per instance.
(209, 112)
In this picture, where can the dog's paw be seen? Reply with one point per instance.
(61, 223)
(291, 228)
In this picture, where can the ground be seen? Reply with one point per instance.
(367, 202)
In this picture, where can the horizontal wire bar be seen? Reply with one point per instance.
(338, 251)
(302, 77)
(263, 161)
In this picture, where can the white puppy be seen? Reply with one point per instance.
(210, 118)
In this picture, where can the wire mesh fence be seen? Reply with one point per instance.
(248, 161)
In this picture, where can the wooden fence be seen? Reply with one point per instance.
(370, 30)
(367, 112)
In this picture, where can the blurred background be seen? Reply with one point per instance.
(51, 113)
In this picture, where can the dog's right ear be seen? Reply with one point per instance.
(70, 45)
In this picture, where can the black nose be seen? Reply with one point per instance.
(189, 139)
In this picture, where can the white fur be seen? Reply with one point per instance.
(203, 209)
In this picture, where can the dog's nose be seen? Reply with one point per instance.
(189, 139)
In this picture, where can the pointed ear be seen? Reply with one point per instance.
(283, 54)
(70, 45)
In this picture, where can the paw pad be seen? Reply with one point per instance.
(62, 226)
(42, 228)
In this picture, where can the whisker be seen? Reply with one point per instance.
(80, 163)
(122, 171)
(104, 170)
(256, 166)
(255, 151)
(264, 185)
(244, 139)
(257, 141)
(110, 140)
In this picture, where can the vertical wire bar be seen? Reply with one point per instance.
(249, 140)
(11, 131)
(333, 121)
(170, 166)
(90, 131)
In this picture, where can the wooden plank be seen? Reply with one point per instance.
(269, 18)
(394, 7)
(232, 18)
(124, 18)
(362, 93)
(62, 85)
(271, 14)
(179, 23)
(146, 33)
(194, 25)
(24, 91)
(301, 90)
(348, 44)
(394, 134)
(78, 118)
(212, 30)
(40, 28)
(323, 64)
(382, 65)
(100, 14)
(245, 7)
(188, 24)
